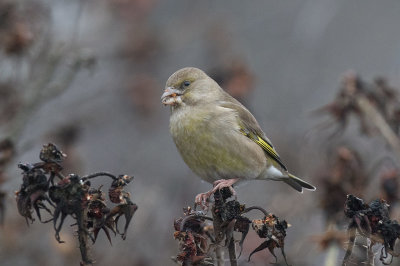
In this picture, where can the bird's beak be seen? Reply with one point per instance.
(171, 96)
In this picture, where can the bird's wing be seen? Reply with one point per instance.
(251, 129)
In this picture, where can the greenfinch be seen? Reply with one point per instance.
(217, 137)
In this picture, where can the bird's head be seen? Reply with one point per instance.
(188, 86)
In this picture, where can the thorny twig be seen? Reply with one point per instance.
(199, 235)
(72, 195)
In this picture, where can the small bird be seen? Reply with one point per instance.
(217, 137)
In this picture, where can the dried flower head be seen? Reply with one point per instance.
(372, 221)
(73, 196)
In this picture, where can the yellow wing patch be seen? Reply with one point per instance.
(265, 145)
(268, 148)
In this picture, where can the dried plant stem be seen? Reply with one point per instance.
(232, 252)
(352, 237)
(73, 196)
(219, 256)
(371, 256)
(217, 223)
(332, 256)
(363, 244)
(83, 239)
(333, 251)
(362, 251)
(379, 122)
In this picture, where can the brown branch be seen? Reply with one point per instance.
(83, 239)
(217, 224)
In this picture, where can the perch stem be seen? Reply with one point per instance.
(83, 239)
(217, 221)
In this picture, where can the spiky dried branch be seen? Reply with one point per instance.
(373, 222)
(376, 106)
(42, 69)
(73, 195)
(201, 237)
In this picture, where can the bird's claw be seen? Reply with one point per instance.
(202, 199)
(222, 183)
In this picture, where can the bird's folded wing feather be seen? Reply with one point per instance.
(251, 129)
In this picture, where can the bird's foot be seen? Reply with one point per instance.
(222, 183)
(202, 199)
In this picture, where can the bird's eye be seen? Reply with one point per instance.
(186, 83)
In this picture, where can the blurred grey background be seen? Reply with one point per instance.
(290, 56)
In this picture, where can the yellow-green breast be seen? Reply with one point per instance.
(210, 143)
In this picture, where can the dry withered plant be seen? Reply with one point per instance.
(36, 68)
(345, 175)
(373, 222)
(376, 106)
(202, 238)
(46, 189)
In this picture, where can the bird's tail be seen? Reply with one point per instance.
(297, 183)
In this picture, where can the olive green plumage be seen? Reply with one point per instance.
(217, 137)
